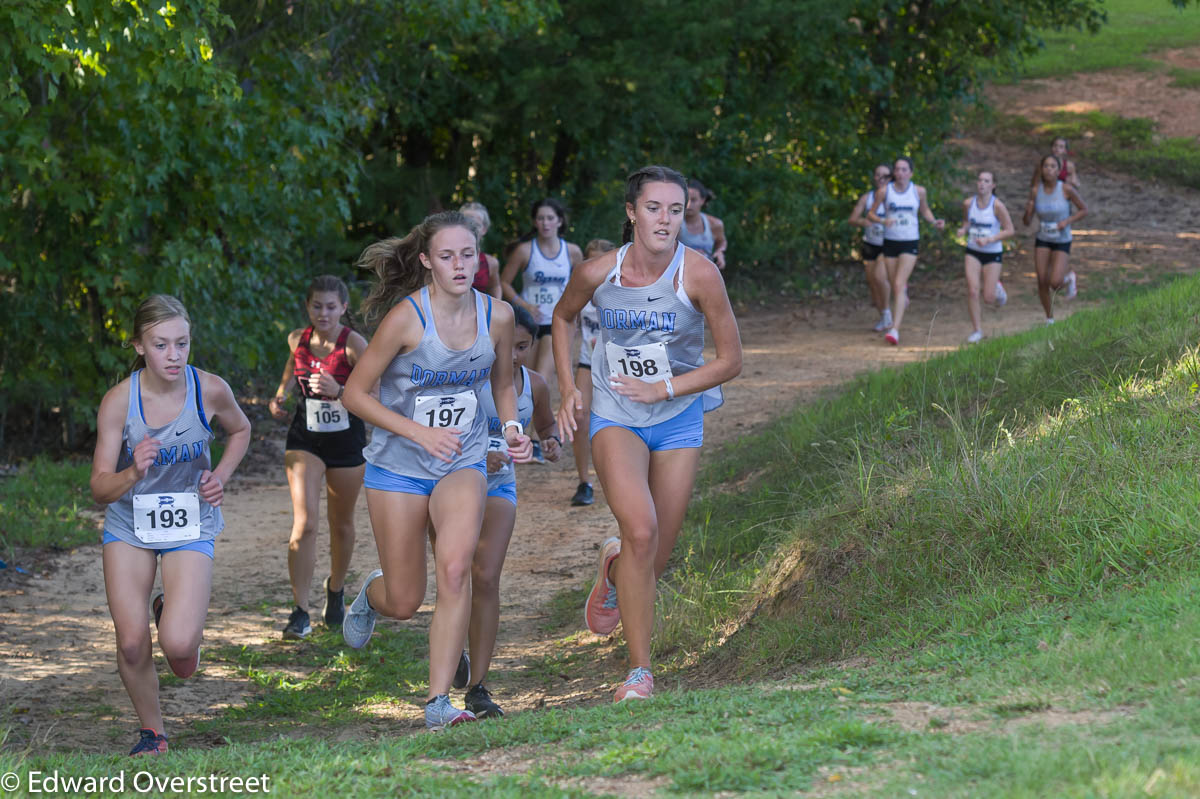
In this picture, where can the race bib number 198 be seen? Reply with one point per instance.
(158, 518)
(446, 410)
(648, 362)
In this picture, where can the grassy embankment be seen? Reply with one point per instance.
(1005, 536)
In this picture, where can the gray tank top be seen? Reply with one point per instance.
(702, 241)
(496, 433)
(430, 385)
(1051, 209)
(170, 488)
(632, 322)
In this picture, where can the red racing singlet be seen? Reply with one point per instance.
(336, 362)
(482, 275)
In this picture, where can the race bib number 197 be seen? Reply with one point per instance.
(158, 518)
(446, 410)
(648, 362)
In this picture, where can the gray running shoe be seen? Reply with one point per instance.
(360, 620)
(439, 713)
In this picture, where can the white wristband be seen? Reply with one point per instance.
(670, 388)
(513, 423)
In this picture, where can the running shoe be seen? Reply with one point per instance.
(479, 701)
(462, 675)
(360, 620)
(1001, 295)
(298, 625)
(335, 606)
(638, 685)
(440, 714)
(975, 337)
(892, 337)
(156, 605)
(1050, 321)
(885, 321)
(537, 453)
(150, 743)
(601, 612)
(583, 495)
(1069, 286)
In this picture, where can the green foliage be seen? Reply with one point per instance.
(43, 504)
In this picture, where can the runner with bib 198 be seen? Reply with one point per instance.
(324, 441)
(152, 467)
(438, 345)
(650, 387)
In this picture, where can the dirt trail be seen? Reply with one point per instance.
(58, 678)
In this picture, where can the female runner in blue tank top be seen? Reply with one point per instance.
(152, 467)
(438, 345)
(1051, 200)
(650, 385)
(986, 224)
(904, 201)
(545, 262)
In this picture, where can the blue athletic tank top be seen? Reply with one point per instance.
(544, 279)
(632, 322)
(702, 241)
(1051, 209)
(172, 484)
(496, 433)
(428, 385)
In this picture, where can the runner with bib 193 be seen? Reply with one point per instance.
(650, 387)
(152, 467)
(438, 345)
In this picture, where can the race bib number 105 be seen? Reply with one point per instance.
(326, 416)
(158, 518)
(446, 410)
(648, 362)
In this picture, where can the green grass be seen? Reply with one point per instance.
(1135, 29)
(41, 506)
(1183, 78)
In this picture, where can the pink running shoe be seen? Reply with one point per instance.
(892, 337)
(601, 612)
(638, 685)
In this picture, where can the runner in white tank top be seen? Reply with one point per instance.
(986, 224)
(647, 472)
(589, 334)
(423, 467)
(904, 201)
(872, 248)
(545, 263)
(152, 467)
(1051, 200)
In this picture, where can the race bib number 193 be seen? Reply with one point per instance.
(446, 410)
(648, 362)
(158, 518)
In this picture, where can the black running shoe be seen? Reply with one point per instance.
(462, 675)
(335, 606)
(298, 625)
(479, 701)
(156, 605)
(149, 743)
(583, 495)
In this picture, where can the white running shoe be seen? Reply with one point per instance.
(1049, 321)
(1069, 285)
(1001, 295)
(892, 337)
(883, 324)
(975, 337)
(360, 617)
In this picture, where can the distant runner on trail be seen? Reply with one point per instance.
(439, 345)
(1051, 200)
(986, 224)
(152, 467)
(324, 444)
(872, 248)
(545, 262)
(650, 388)
(589, 334)
(903, 202)
(700, 231)
(1067, 172)
(487, 277)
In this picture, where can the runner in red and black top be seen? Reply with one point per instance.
(1067, 172)
(487, 276)
(325, 440)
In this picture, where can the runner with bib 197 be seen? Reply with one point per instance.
(438, 345)
(650, 387)
(152, 467)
